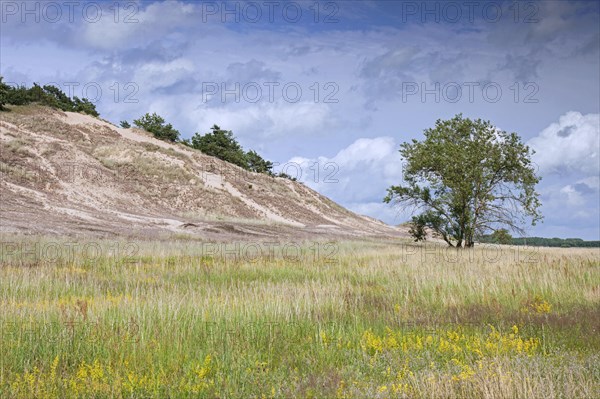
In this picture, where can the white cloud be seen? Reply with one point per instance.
(571, 145)
(265, 120)
(574, 196)
(137, 24)
(571, 204)
(571, 196)
(358, 175)
(156, 75)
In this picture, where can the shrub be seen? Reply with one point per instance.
(502, 236)
(4, 88)
(19, 96)
(221, 144)
(84, 105)
(48, 95)
(155, 124)
(286, 176)
(256, 163)
(54, 97)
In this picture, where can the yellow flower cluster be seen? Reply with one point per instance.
(205, 369)
(450, 343)
(539, 305)
(86, 379)
(117, 299)
(96, 379)
(466, 372)
(463, 355)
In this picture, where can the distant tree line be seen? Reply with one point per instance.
(537, 241)
(48, 95)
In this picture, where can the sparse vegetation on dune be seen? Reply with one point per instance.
(126, 180)
(322, 320)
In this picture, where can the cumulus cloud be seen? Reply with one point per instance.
(357, 176)
(262, 121)
(138, 24)
(572, 203)
(570, 145)
(156, 75)
(567, 154)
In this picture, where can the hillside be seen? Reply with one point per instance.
(65, 173)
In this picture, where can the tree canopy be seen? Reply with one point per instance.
(256, 163)
(48, 95)
(155, 124)
(502, 236)
(4, 88)
(467, 178)
(222, 144)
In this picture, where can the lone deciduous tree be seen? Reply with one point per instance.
(467, 178)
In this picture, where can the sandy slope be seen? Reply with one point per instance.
(69, 173)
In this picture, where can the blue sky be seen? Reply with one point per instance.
(335, 87)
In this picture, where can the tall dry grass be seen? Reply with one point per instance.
(362, 319)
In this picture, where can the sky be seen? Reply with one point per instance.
(328, 90)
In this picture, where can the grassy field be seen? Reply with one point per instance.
(308, 320)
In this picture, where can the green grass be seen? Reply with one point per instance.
(348, 320)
